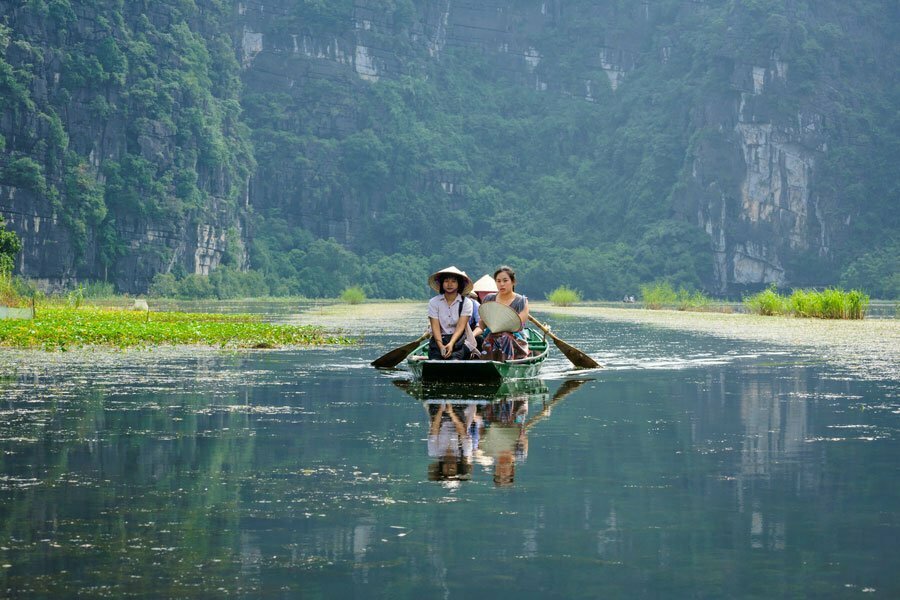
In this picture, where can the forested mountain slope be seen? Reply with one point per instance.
(723, 145)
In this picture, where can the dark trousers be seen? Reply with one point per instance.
(460, 351)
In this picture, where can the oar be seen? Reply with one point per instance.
(395, 356)
(576, 356)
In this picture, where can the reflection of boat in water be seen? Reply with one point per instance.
(424, 369)
(486, 425)
(472, 393)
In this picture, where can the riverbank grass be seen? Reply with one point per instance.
(65, 328)
(661, 294)
(831, 303)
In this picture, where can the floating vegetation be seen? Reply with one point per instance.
(66, 328)
(831, 303)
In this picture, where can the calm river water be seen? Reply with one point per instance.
(690, 467)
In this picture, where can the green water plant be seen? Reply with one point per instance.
(658, 294)
(64, 328)
(768, 302)
(564, 296)
(693, 300)
(830, 303)
(353, 295)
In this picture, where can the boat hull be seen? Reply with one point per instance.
(482, 371)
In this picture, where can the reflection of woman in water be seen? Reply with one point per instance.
(505, 442)
(450, 442)
(493, 434)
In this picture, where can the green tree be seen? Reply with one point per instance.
(10, 245)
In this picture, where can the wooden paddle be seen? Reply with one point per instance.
(576, 356)
(396, 356)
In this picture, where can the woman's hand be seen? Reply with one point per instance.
(446, 350)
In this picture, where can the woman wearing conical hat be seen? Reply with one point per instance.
(511, 344)
(448, 315)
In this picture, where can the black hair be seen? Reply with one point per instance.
(436, 470)
(509, 271)
(460, 282)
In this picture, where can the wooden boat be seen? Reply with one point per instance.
(460, 371)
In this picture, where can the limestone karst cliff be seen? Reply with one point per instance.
(728, 144)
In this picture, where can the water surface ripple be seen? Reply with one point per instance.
(692, 466)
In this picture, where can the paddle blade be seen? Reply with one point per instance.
(576, 356)
(396, 356)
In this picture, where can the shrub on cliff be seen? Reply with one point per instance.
(9, 247)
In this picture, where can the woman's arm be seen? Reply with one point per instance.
(523, 316)
(436, 333)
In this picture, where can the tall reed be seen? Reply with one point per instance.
(767, 302)
(830, 303)
(658, 294)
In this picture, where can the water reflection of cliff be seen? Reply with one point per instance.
(774, 417)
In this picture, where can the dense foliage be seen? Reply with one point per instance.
(458, 162)
(450, 159)
(9, 247)
(163, 140)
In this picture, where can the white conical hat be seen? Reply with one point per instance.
(485, 284)
(499, 317)
(467, 287)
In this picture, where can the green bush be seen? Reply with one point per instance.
(75, 298)
(353, 295)
(858, 304)
(696, 301)
(564, 296)
(658, 294)
(804, 303)
(26, 173)
(99, 289)
(164, 285)
(767, 302)
(8, 293)
(831, 303)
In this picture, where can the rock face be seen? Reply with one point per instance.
(50, 257)
(760, 125)
(121, 186)
(751, 182)
(750, 179)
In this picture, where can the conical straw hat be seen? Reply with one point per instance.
(467, 287)
(499, 317)
(485, 284)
